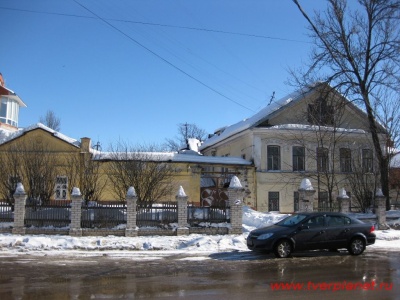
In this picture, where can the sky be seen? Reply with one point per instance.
(132, 71)
(199, 245)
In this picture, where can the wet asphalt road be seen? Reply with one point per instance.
(226, 275)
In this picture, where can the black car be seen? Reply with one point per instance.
(313, 231)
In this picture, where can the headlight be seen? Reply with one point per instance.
(265, 236)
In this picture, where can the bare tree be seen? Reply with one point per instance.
(363, 181)
(84, 172)
(185, 131)
(32, 163)
(144, 169)
(321, 143)
(360, 50)
(51, 120)
(10, 174)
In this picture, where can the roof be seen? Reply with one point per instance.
(266, 113)
(12, 95)
(191, 157)
(8, 136)
(258, 118)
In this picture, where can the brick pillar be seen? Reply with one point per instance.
(380, 205)
(131, 210)
(182, 199)
(344, 201)
(306, 196)
(19, 210)
(235, 195)
(76, 213)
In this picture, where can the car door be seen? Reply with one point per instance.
(312, 234)
(338, 231)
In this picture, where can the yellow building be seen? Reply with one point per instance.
(314, 133)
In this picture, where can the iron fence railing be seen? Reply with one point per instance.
(334, 207)
(6, 212)
(207, 214)
(159, 214)
(103, 214)
(51, 214)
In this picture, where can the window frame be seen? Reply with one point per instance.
(273, 159)
(296, 158)
(61, 188)
(273, 201)
(367, 160)
(322, 159)
(345, 160)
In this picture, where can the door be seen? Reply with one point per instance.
(338, 231)
(312, 235)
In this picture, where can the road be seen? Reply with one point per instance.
(179, 275)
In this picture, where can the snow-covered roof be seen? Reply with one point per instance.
(175, 157)
(267, 112)
(6, 136)
(258, 118)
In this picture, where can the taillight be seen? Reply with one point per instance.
(372, 229)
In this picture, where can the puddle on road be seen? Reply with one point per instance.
(241, 275)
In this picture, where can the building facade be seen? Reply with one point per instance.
(314, 133)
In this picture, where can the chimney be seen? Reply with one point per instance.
(1, 80)
(85, 144)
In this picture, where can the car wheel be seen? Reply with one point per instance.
(357, 246)
(283, 249)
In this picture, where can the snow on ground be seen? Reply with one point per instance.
(56, 244)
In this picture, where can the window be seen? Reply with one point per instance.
(273, 201)
(367, 160)
(9, 110)
(323, 200)
(315, 222)
(296, 199)
(322, 159)
(61, 188)
(335, 221)
(298, 158)
(345, 160)
(320, 113)
(274, 157)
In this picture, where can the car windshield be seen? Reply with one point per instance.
(292, 220)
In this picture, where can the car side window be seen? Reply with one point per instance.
(337, 221)
(315, 222)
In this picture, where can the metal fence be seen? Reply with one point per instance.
(6, 212)
(207, 214)
(160, 214)
(334, 207)
(103, 214)
(111, 214)
(51, 214)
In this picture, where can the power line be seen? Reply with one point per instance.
(160, 25)
(162, 58)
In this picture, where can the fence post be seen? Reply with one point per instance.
(182, 199)
(380, 204)
(344, 201)
(306, 196)
(235, 195)
(75, 228)
(19, 209)
(131, 210)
